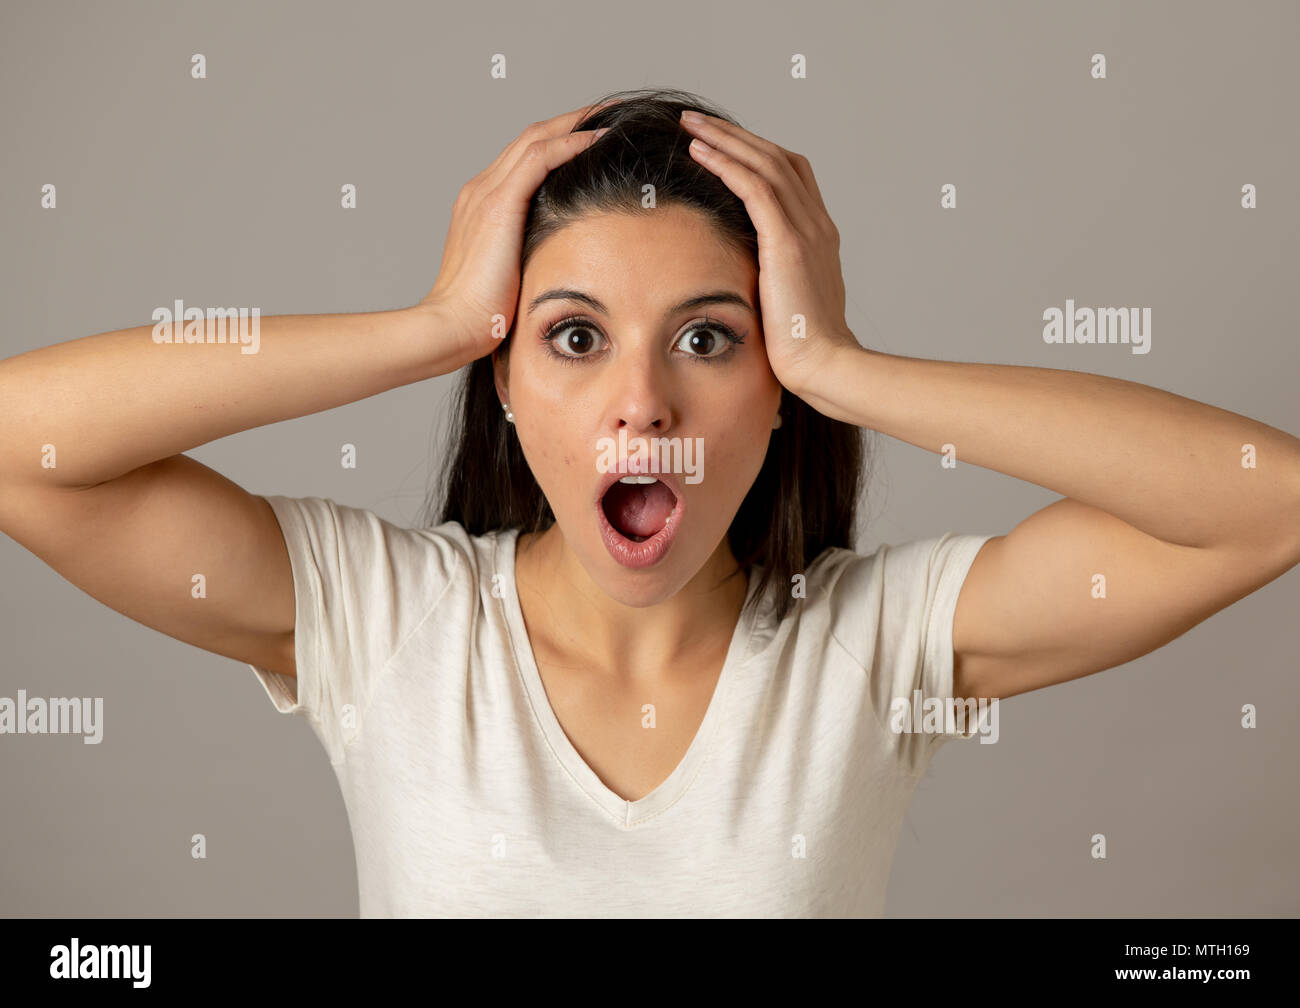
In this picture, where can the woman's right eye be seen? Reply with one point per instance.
(571, 339)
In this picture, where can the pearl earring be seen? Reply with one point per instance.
(777, 423)
(509, 416)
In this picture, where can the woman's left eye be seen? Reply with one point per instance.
(709, 341)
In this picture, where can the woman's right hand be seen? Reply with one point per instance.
(479, 278)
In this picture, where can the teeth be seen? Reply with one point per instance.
(638, 479)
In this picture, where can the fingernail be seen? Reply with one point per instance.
(601, 132)
(690, 116)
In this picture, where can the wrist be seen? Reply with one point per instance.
(823, 383)
(433, 330)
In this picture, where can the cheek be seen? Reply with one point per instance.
(740, 412)
(733, 457)
(555, 455)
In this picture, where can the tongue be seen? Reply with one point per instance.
(639, 509)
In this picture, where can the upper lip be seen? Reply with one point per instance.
(671, 480)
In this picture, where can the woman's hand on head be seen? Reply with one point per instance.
(474, 299)
(800, 281)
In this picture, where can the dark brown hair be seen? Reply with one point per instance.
(804, 499)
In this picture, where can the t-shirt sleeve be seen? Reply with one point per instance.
(894, 613)
(361, 586)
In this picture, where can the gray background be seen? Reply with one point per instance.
(1117, 192)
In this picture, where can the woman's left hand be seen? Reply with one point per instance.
(798, 249)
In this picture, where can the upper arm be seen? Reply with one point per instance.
(139, 543)
(1074, 590)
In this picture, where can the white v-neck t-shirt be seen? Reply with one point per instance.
(466, 798)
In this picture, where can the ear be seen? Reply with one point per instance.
(501, 372)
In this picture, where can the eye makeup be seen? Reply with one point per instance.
(720, 329)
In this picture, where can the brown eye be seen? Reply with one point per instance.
(707, 340)
(572, 339)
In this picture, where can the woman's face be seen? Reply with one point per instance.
(635, 365)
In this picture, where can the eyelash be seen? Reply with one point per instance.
(726, 332)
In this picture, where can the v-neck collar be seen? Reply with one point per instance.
(625, 813)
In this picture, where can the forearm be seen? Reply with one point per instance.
(112, 402)
(1168, 465)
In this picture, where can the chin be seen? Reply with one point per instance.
(645, 585)
(636, 586)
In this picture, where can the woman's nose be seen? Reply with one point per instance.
(640, 399)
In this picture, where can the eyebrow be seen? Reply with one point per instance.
(698, 301)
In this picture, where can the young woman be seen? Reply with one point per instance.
(636, 667)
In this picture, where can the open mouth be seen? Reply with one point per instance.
(638, 507)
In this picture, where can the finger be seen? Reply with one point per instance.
(771, 221)
(765, 159)
(535, 161)
(556, 126)
(465, 217)
(471, 197)
(804, 170)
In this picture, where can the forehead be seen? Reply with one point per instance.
(644, 258)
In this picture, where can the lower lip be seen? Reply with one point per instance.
(636, 555)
